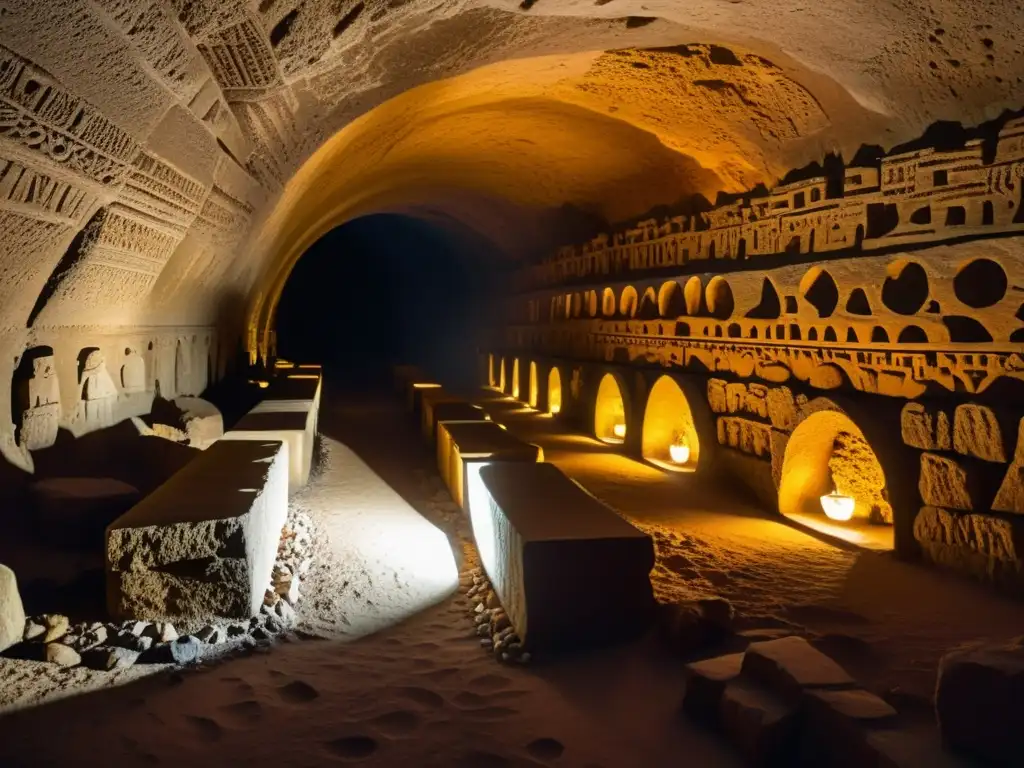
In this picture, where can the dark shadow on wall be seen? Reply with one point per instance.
(387, 289)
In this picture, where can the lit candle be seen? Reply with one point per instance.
(679, 453)
(837, 506)
(619, 430)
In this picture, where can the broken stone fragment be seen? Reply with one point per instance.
(12, 612)
(761, 725)
(184, 650)
(790, 665)
(978, 702)
(211, 635)
(1010, 497)
(56, 627)
(705, 683)
(34, 630)
(109, 659)
(924, 428)
(63, 655)
(161, 632)
(943, 483)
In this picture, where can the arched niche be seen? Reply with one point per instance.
(671, 303)
(515, 378)
(501, 375)
(532, 392)
(608, 303)
(554, 391)
(592, 303)
(492, 377)
(610, 412)
(827, 455)
(669, 439)
(628, 301)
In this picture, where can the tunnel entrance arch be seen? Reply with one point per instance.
(669, 439)
(532, 393)
(515, 378)
(833, 482)
(554, 391)
(610, 412)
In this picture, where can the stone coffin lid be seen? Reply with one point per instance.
(278, 406)
(271, 421)
(294, 387)
(458, 410)
(486, 437)
(543, 504)
(216, 485)
(436, 396)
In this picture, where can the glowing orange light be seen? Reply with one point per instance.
(837, 506)
(679, 452)
(619, 430)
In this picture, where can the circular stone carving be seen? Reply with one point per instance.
(905, 291)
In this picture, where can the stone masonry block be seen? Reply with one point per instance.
(790, 665)
(204, 542)
(976, 433)
(567, 569)
(925, 429)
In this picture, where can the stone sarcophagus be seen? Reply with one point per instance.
(203, 544)
(567, 569)
(446, 407)
(464, 447)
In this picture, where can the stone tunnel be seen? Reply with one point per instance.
(745, 280)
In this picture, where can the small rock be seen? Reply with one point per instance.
(485, 642)
(58, 653)
(492, 600)
(109, 659)
(717, 612)
(185, 649)
(33, 630)
(211, 635)
(479, 608)
(237, 630)
(525, 658)
(790, 665)
(502, 623)
(293, 592)
(760, 724)
(483, 630)
(270, 598)
(706, 683)
(56, 627)
(162, 632)
(272, 625)
(481, 618)
(261, 634)
(137, 628)
(285, 613)
(255, 622)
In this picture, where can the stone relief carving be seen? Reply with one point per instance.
(99, 394)
(133, 372)
(38, 399)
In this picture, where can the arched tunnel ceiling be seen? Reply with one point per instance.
(209, 140)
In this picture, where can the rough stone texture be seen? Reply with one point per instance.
(977, 701)
(984, 547)
(63, 655)
(705, 684)
(782, 408)
(12, 612)
(760, 724)
(856, 470)
(944, 483)
(460, 444)
(837, 726)
(211, 557)
(567, 569)
(204, 424)
(452, 410)
(925, 428)
(1010, 497)
(79, 509)
(294, 427)
(790, 665)
(976, 433)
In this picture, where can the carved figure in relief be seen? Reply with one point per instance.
(99, 394)
(41, 417)
(133, 372)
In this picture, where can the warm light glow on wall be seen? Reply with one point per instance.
(669, 438)
(554, 392)
(304, 376)
(491, 378)
(533, 394)
(515, 379)
(282, 363)
(501, 375)
(480, 516)
(260, 383)
(609, 412)
(837, 506)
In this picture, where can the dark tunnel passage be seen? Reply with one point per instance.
(386, 289)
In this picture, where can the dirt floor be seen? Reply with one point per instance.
(422, 692)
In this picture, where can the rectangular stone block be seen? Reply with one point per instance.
(429, 399)
(567, 569)
(204, 542)
(983, 547)
(705, 684)
(464, 447)
(294, 388)
(455, 410)
(414, 395)
(761, 725)
(290, 421)
(790, 665)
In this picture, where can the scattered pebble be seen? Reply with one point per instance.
(65, 656)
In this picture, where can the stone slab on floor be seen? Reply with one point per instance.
(762, 726)
(790, 665)
(705, 684)
(295, 425)
(568, 569)
(202, 544)
(294, 387)
(463, 447)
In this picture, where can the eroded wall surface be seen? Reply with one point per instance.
(163, 163)
(891, 295)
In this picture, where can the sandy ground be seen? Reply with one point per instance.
(422, 692)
